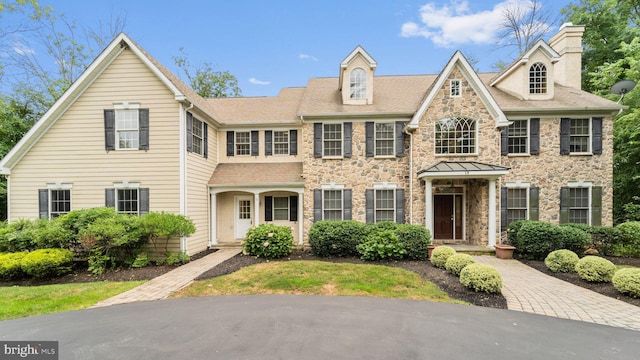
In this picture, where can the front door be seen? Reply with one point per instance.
(443, 217)
(243, 215)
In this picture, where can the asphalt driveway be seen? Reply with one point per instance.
(307, 327)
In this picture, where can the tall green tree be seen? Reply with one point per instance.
(205, 80)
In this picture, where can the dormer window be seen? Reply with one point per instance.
(538, 79)
(358, 84)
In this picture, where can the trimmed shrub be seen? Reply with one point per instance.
(627, 281)
(562, 261)
(630, 240)
(537, 239)
(455, 263)
(416, 240)
(440, 255)
(481, 278)
(336, 238)
(159, 227)
(10, 267)
(605, 239)
(574, 238)
(595, 269)
(269, 241)
(46, 263)
(512, 232)
(380, 245)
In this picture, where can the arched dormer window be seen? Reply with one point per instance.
(538, 79)
(456, 135)
(358, 84)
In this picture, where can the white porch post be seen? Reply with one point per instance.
(300, 218)
(428, 203)
(256, 214)
(214, 219)
(492, 212)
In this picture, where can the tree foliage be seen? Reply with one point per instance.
(524, 23)
(206, 81)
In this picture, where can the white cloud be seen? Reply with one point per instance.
(255, 81)
(307, 57)
(455, 23)
(21, 49)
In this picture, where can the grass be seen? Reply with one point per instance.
(22, 301)
(320, 278)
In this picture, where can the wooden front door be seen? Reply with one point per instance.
(443, 217)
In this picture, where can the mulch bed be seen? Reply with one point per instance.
(606, 289)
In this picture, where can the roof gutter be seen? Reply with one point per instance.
(343, 115)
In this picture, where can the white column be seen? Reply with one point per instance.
(300, 219)
(492, 212)
(428, 204)
(256, 213)
(214, 219)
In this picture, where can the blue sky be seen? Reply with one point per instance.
(272, 44)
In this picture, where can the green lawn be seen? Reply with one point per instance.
(320, 278)
(21, 301)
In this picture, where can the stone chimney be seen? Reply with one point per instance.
(568, 43)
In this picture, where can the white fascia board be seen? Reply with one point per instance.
(5, 171)
(464, 174)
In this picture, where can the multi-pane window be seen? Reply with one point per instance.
(281, 143)
(517, 204)
(332, 140)
(385, 207)
(243, 143)
(384, 139)
(60, 202)
(579, 205)
(358, 84)
(538, 79)
(127, 129)
(127, 201)
(455, 135)
(454, 86)
(518, 136)
(332, 205)
(580, 136)
(198, 136)
(281, 208)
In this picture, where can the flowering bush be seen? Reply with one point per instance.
(269, 241)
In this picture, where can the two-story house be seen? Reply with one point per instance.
(460, 152)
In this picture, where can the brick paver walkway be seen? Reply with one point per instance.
(162, 286)
(529, 290)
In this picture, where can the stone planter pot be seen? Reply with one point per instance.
(430, 250)
(504, 251)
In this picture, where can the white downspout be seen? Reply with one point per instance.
(410, 174)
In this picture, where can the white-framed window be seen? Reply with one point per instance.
(454, 86)
(517, 204)
(127, 128)
(332, 140)
(332, 204)
(60, 202)
(280, 208)
(127, 201)
(281, 143)
(455, 135)
(198, 136)
(518, 133)
(384, 139)
(538, 79)
(385, 207)
(358, 84)
(579, 204)
(243, 143)
(580, 136)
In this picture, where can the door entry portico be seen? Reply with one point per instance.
(448, 217)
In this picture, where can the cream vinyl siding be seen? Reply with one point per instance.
(73, 149)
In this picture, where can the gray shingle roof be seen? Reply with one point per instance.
(248, 174)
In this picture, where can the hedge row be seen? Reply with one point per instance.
(474, 276)
(40, 264)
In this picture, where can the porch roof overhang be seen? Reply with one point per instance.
(462, 170)
(257, 175)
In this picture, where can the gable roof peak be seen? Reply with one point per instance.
(359, 50)
(541, 46)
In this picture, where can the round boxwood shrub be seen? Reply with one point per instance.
(269, 241)
(10, 265)
(562, 261)
(595, 269)
(627, 281)
(336, 238)
(455, 263)
(45, 263)
(481, 278)
(440, 255)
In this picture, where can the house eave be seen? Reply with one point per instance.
(5, 171)
(363, 115)
(564, 111)
(494, 174)
(219, 187)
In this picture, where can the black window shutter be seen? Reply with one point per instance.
(317, 141)
(503, 208)
(534, 203)
(596, 139)
(346, 128)
(143, 134)
(400, 206)
(370, 138)
(144, 201)
(205, 146)
(293, 142)
(317, 205)
(565, 136)
(189, 132)
(369, 203)
(596, 205)
(534, 136)
(110, 198)
(504, 141)
(293, 208)
(399, 139)
(254, 143)
(268, 208)
(109, 129)
(43, 203)
(230, 143)
(268, 143)
(564, 205)
(347, 196)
